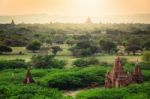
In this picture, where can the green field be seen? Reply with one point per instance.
(64, 55)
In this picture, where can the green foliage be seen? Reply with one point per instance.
(108, 46)
(34, 46)
(102, 94)
(28, 92)
(75, 78)
(56, 49)
(134, 44)
(4, 48)
(146, 45)
(141, 91)
(86, 62)
(136, 96)
(80, 62)
(146, 56)
(133, 49)
(13, 64)
(124, 61)
(145, 65)
(47, 61)
(84, 48)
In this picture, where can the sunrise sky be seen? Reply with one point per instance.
(74, 7)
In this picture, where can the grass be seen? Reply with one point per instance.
(64, 55)
(16, 50)
(70, 59)
(13, 57)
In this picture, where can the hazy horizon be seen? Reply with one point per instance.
(75, 11)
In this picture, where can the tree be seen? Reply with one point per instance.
(146, 56)
(70, 42)
(56, 49)
(46, 61)
(84, 48)
(4, 48)
(107, 46)
(133, 49)
(34, 46)
(146, 45)
(134, 44)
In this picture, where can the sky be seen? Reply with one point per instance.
(74, 7)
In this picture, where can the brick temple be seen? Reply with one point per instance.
(28, 78)
(118, 77)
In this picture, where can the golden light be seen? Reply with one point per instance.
(90, 7)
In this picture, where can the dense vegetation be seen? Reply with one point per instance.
(141, 91)
(71, 57)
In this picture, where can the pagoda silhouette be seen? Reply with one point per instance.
(118, 77)
(88, 21)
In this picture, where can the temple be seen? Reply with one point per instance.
(28, 78)
(118, 77)
(88, 21)
(12, 22)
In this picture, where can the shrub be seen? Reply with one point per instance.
(47, 61)
(28, 92)
(146, 56)
(145, 65)
(4, 48)
(80, 62)
(75, 78)
(13, 64)
(124, 61)
(86, 62)
(136, 96)
(105, 64)
(34, 46)
(102, 94)
(137, 91)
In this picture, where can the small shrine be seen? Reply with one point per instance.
(28, 78)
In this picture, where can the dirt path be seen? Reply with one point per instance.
(73, 93)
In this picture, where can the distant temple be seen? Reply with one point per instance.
(28, 78)
(118, 77)
(12, 22)
(88, 21)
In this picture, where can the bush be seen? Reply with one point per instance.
(124, 61)
(136, 96)
(146, 56)
(47, 61)
(80, 62)
(28, 92)
(13, 64)
(75, 78)
(86, 62)
(34, 46)
(102, 94)
(145, 65)
(137, 91)
(4, 48)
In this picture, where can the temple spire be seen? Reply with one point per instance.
(88, 21)
(12, 22)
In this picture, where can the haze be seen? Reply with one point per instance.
(74, 7)
(80, 8)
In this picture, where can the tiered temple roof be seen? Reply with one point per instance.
(118, 77)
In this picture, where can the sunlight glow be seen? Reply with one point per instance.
(90, 7)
